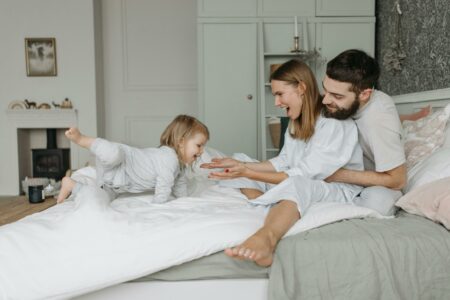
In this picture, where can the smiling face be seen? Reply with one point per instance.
(191, 148)
(288, 97)
(339, 99)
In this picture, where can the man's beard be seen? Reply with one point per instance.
(342, 113)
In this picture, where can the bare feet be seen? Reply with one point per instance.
(75, 136)
(67, 185)
(258, 248)
(251, 193)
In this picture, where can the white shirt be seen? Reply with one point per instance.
(380, 133)
(333, 145)
(147, 169)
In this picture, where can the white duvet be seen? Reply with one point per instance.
(89, 243)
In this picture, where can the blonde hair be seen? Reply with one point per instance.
(181, 128)
(295, 72)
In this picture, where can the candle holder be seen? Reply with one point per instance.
(297, 46)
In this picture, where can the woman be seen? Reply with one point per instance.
(315, 147)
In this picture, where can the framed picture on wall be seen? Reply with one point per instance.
(40, 56)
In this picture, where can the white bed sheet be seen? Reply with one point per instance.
(88, 244)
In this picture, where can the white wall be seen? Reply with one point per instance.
(129, 66)
(71, 22)
(150, 67)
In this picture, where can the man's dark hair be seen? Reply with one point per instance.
(355, 67)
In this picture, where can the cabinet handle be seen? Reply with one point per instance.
(249, 97)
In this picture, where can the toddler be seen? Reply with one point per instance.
(124, 169)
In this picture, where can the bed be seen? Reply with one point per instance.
(352, 258)
(384, 252)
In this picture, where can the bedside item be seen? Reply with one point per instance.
(36, 194)
(33, 182)
(275, 131)
(17, 104)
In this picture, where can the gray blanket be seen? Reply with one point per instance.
(403, 258)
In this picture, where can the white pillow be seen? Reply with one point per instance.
(447, 135)
(434, 167)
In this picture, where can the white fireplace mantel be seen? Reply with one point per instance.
(42, 118)
(34, 119)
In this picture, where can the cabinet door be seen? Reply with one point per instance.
(227, 8)
(335, 35)
(228, 86)
(269, 8)
(345, 8)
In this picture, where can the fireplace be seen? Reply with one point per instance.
(51, 162)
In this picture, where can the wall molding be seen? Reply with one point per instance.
(131, 120)
(127, 84)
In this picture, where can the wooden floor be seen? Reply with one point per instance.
(15, 208)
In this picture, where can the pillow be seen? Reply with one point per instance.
(432, 168)
(431, 200)
(424, 136)
(447, 135)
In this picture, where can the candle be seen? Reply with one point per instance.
(295, 26)
(305, 36)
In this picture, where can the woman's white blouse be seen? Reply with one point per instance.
(334, 145)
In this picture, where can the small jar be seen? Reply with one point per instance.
(36, 194)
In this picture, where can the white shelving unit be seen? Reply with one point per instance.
(276, 42)
(240, 39)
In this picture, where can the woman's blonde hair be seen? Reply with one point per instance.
(181, 128)
(295, 72)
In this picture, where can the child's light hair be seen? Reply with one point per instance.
(181, 128)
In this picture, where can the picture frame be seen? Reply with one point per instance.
(40, 56)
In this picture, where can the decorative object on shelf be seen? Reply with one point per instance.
(305, 53)
(394, 56)
(17, 104)
(275, 131)
(44, 106)
(56, 105)
(40, 55)
(66, 103)
(30, 104)
(296, 38)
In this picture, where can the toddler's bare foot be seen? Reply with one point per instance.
(75, 136)
(258, 248)
(67, 185)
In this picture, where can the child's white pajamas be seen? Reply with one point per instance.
(121, 168)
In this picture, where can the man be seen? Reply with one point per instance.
(349, 92)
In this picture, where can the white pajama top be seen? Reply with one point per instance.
(123, 168)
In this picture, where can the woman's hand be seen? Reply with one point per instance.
(222, 163)
(232, 168)
(238, 170)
